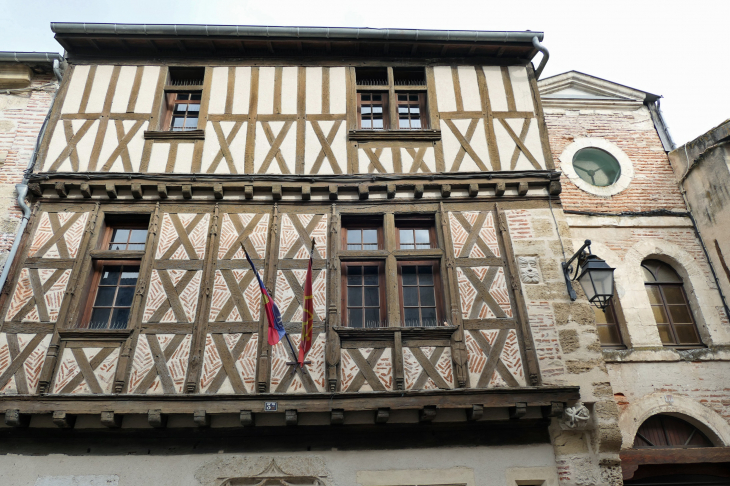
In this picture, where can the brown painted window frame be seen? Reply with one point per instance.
(422, 107)
(97, 269)
(386, 109)
(365, 226)
(169, 108)
(391, 90)
(437, 288)
(381, 287)
(109, 228)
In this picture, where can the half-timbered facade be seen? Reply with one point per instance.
(417, 161)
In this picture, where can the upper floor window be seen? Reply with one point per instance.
(115, 285)
(391, 98)
(609, 333)
(126, 238)
(362, 233)
(415, 233)
(183, 94)
(669, 304)
(419, 302)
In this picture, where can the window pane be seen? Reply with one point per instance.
(665, 273)
(180, 107)
(191, 122)
(372, 298)
(353, 236)
(365, 97)
(99, 318)
(120, 235)
(376, 97)
(193, 108)
(366, 123)
(124, 297)
(178, 122)
(415, 123)
(105, 297)
(687, 334)
(660, 314)
(411, 317)
(402, 97)
(406, 237)
(413, 97)
(410, 296)
(135, 246)
(183, 96)
(409, 275)
(370, 236)
(354, 296)
(665, 334)
(427, 296)
(425, 275)
(195, 96)
(415, 111)
(354, 275)
(680, 314)
(429, 316)
(365, 110)
(120, 318)
(138, 236)
(608, 335)
(378, 124)
(372, 317)
(354, 318)
(654, 294)
(648, 277)
(118, 246)
(673, 294)
(404, 123)
(129, 276)
(370, 274)
(110, 275)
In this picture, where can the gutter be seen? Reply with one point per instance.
(652, 102)
(545, 56)
(202, 30)
(31, 57)
(22, 188)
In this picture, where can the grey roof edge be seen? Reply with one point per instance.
(30, 57)
(649, 96)
(352, 33)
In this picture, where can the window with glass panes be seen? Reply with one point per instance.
(419, 294)
(373, 110)
(414, 238)
(127, 239)
(362, 239)
(114, 285)
(363, 297)
(669, 304)
(609, 333)
(391, 98)
(183, 110)
(410, 109)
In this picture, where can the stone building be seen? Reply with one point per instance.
(27, 88)
(446, 349)
(665, 338)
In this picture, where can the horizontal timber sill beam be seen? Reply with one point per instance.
(305, 403)
(386, 333)
(170, 135)
(394, 135)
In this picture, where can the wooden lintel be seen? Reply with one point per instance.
(475, 412)
(61, 189)
(473, 190)
(445, 190)
(201, 418)
(276, 192)
(248, 192)
(86, 190)
(111, 190)
(518, 411)
(13, 418)
(291, 417)
(427, 413)
(337, 417)
(64, 420)
(137, 192)
(363, 191)
(218, 191)
(166, 135)
(555, 188)
(187, 191)
(554, 410)
(390, 190)
(247, 418)
(157, 419)
(382, 415)
(522, 188)
(499, 190)
(111, 419)
(162, 191)
(306, 193)
(333, 192)
(418, 191)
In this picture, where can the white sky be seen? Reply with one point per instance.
(673, 48)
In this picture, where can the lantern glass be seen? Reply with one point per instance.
(596, 279)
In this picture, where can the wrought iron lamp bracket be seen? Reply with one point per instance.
(581, 255)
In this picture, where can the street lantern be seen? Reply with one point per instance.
(596, 277)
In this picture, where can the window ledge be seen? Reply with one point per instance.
(117, 254)
(386, 333)
(394, 135)
(87, 334)
(169, 135)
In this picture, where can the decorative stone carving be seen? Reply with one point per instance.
(529, 273)
(260, 470)
(576, 417)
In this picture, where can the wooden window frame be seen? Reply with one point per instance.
(379, 228)
(390, 91)
(97, 268)
(381, 286)
(661, 286)
(422, 106)
(169, 107)
(433, 242)
(386, 110)
(437, 288)
(109, 228)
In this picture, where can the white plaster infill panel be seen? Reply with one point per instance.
(627, 167)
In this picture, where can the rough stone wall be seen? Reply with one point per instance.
(568, 351)
(653, 186)
(21, 118)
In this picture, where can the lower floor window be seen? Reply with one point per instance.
(113, 287)
(609, 333)
(419, 294)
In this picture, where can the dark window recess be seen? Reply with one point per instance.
(419, 296)
(409, 76)
(362, 239)
(127, 239)
(373, 110)
(183, 110)
(186, 76)
(114, 296)
(609, 333)
(666, 431)
(369, 76)
(364, 297)
(669, 305)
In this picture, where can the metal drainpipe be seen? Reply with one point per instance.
(22, 188)
(545, 56)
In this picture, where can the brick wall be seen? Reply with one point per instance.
(653, 186)
(21, 118)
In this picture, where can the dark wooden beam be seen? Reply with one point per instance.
(427, 413)
(162, 191)
(363, 191)
(86, 190)
(61, 189)
(13, 418)
(418, 191)
(247, 418)
(473, 190)
(137, 192)
(445, 190)
(270, 46)
(94, 43)
(390, 190)
(333, 192)
(276, 192)
(111, 190)
(291, 417)
(181, 46)
(218, 191)
(187, 191)
(499, 189)
(382, 415)
(518, 411)
(337, 417)
(475, 412)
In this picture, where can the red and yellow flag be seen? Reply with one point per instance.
(305, 344)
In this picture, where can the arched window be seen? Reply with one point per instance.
(669, 304)
(666, 431)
